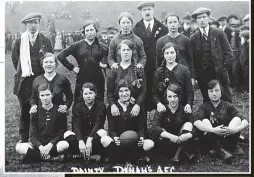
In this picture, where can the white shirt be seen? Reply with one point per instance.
(32, 37)
(151, 24)
(124, 106)
(206, 29)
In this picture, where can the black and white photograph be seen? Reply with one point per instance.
(128, 87)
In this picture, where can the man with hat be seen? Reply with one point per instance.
(105, 39)
(235, 42)
(212, 54)
(149, 30)
(185, 28)
(223, 26)
(27, 51)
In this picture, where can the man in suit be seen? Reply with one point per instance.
(212, 54)
(26, 54)
(223, 26)
(149, 30)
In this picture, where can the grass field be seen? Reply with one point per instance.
(203, 163)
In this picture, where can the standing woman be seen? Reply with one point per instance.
(90, 54)
(129, 72)
(172, 129)
(114, 57)
(182, 43)
(59, 83)
(172, 72)
(58, 44)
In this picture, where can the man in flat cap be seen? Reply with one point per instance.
(149, 30)
(26, 54)
(212, 54)
(185, 28)
(223, 26)
(235, 42)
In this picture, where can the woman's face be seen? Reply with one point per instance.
(49, 64)
(88, 95)
(126, 52)
(125, 25)
(173, 99)
(90, 32)
(45, 97)
(215, 93)
(170, 55)
(124, 94)
(172, 23)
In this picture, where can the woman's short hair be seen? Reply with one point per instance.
(172, 15)
(89, 85)
(213, 83)
(128, 42)
(48, 54)
(123, 83)
(45, 86)
(90, 22)
(175, 88)
(127, 15)
(167, 46)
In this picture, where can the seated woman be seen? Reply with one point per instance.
(172, 129)
(123, 122)
(87, 124)
(172, 72)
(220, 124)
(46, 130)
(134, 76)
(60, 84)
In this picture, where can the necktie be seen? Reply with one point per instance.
(204, 34)
(149, 29)
(32, 39)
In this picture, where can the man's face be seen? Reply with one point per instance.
(45, 97)
(187, 22)
(215, 93)
(124, 94)
(172, 24)
(203, 20)
(90, 32)
(147, 12)
(33, 26)
(223, 22)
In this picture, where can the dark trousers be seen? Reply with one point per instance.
(121, 154)
(238, 75)
(97, 147)
(149, 103)
(24, 96)
(203, 85)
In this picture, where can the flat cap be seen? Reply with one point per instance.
(145, 3)
(222, 18)
(31, 16)
(187, 16)
(200, 10)
(245, 34)
(246, 18)
(104, 32)
(232, 16)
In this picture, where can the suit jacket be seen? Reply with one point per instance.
(221, 53)
(228, 32)
(149, 42)
(44, 46)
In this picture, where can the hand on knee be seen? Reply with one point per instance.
(106, 140)
(22, 148)
(148, 144)
(68, 133)
(62, 146)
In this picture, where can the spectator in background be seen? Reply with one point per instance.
(215, 24)
(244, 58)
(194, 25)
(246, 20)
(235, 42)
(185, 28)
(105, 39)
(69, 40)
(8, 43)
(63, 34)
(58, 44)
(224, 27)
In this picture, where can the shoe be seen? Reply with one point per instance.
(237, 150)
(176, 158)
(226, 156)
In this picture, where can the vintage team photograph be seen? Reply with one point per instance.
(127, 87)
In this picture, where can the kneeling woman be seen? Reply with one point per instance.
(172, 129)
(220, 124)
(87, 124)
(46, 131)
(125, 121)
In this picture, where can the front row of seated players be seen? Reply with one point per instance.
(218, 125)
